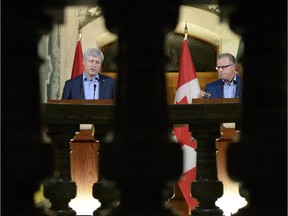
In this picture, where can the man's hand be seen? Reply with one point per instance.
(203, 94)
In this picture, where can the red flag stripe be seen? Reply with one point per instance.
(186, 64)
(78, 66)
(188, 85)
(185, 186)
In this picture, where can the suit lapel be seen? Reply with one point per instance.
(238, 87)
(219, 89)
(102, 86)
(79, 85)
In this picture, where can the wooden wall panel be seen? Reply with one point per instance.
(172, 81)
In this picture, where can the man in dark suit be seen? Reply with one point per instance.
(229, 84)
(90, 84)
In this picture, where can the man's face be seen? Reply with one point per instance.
(92, 66)
(226, 71)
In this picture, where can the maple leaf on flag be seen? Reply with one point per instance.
(78, 66)
(188, 88)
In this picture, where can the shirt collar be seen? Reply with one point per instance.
(233, 81)
(85, 77)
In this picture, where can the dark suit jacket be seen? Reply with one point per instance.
(73, 88)
(216, 88)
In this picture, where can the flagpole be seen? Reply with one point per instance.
(79, 33)
(186, 32)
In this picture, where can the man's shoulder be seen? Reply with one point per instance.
(215, 83)
(102, 76)
(238, 78)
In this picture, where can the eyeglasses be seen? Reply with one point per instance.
(223, 67)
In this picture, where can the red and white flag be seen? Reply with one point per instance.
(187, 88)
(78, 66)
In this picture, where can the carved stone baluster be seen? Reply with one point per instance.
(61, 189)
(259, 160)
(108, 196)
(138, 155)
(206, 188)
(25, 160)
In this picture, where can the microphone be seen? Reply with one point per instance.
(94, 91)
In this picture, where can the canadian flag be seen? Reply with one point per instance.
(78, 66)
(187, 88)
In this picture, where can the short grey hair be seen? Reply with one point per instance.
(93, 52)
(231, 58)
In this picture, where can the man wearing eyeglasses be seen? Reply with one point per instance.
(229, 84)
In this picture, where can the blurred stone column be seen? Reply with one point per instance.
(138, 154)
(259, 161)
(26, 160)
(60, 189)
(206, 188)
